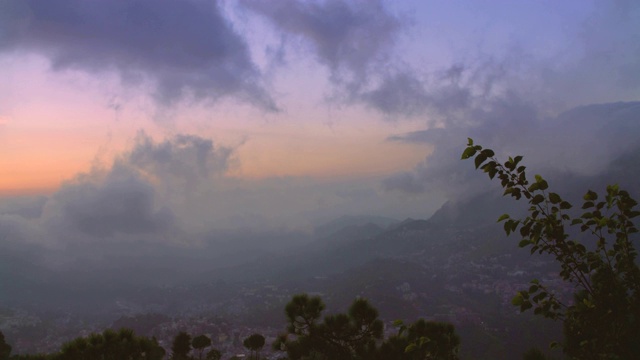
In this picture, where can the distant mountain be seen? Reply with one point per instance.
(625, 171)
(596, 134)
(621, 115)
(476, 211)
(352, 232)
(410, 224)
(342, 222)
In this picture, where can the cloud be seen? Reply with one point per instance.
(583, 140)
(349, 38)
(144, 195)
(611, 47)
(122, 203)
(603, 49)
(400, 93)
(186, 49)
(184, 157)
(406, 94)
(561, 111)
(356, 42)
(24, 206)
(409, 182)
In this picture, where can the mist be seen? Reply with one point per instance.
(179, 100)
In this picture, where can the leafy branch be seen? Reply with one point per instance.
(603, 274)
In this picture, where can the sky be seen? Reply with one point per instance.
(163, 119)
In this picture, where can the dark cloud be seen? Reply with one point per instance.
(137, 194)
(185, 157)
(347, 37)
(141, 196)
(355, 42)
(186, 49)
(400, 94)
(405, 94)
(123, 203)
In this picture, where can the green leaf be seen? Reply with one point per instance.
(469, 142)
(503, 217)
(537, 199)
(554, 198)
(544, 185)
(565, 205)
(480, 159)
(537, 311)
(517, 300)
(488, 153)
(514, 224)
(516, 193)
(590, 196)
(517, 159)
(507, 227)
(468, 152)
(410, 348)
(524, 243)
(587, 204)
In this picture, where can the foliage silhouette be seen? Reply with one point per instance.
(200, 343)
(5, 349)
(340, 336)
(111, 345)
(254, 343)
(181, 346)
(214, 354)
(421, 340)
(534, 354)
(33, 357)
(356, 335)
(603, 321)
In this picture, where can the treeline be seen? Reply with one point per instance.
(110, 344)
(356, 334)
